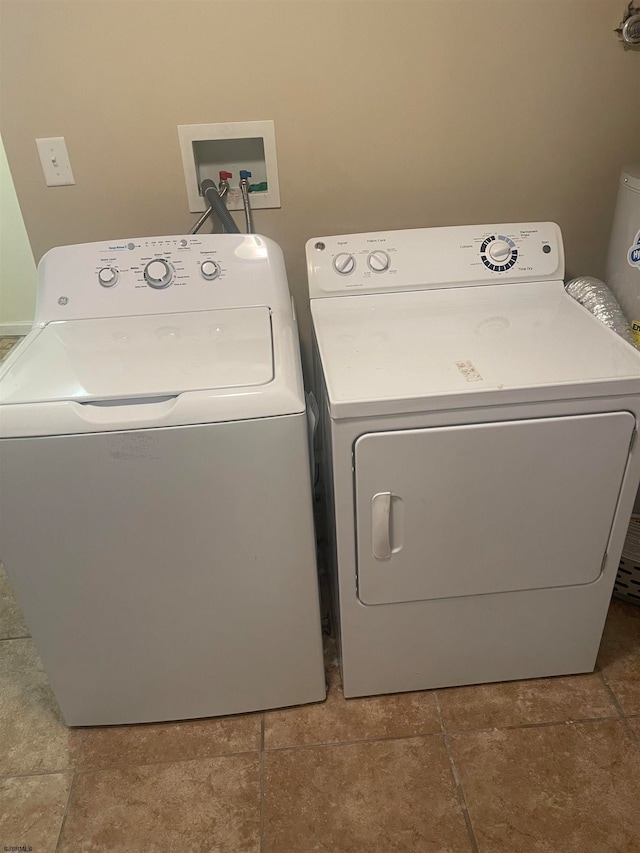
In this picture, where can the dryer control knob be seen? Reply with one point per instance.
(499, 251)
(344, 263)
(378, 261)
(158, 274)
(210, 270)
(108, 276)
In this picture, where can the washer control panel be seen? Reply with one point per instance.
(160, 267)
(152, 275)
(429, 258)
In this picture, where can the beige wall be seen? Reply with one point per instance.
(17, 267)
(388, 114)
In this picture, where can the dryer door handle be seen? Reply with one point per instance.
(381, 525)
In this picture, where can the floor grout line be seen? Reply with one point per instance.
(462, 802)
(66, 810)
(328, 744)
(625, 718)
(634, 734)
(546, 724)
(444, 731)
(4, 777)
(159, 763)
(611, 694)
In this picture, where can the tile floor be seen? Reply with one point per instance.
(551, 765)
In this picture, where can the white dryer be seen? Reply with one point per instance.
(478, 434)
(155, 501)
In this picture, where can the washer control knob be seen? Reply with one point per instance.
(210, 270)
(344, 263)
(499, 251)
(108, 276)
(378, 261)
(158, 274)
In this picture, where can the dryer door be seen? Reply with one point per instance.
(485, 508)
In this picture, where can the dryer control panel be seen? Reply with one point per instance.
(158, 275)
(430, 258)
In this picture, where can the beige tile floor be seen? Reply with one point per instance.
(551, 765)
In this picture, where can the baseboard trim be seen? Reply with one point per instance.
(22, 327)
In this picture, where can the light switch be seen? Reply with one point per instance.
(55, 161)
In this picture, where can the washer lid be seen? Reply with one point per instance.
(141, 357)
(418, 351)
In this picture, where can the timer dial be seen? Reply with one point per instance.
(378, 261)
(344, 263)
(108, 276)
(498, 253)
(158, 274)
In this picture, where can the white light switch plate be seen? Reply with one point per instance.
(55, 161)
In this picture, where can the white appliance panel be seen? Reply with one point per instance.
(146, 356)
(248, 270)
(428, 643)
(469, 255)
(167, 574)
(424, 349)
(487, 508)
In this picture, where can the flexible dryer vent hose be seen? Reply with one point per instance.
(597, 298)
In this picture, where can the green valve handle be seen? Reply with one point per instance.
(258, 188)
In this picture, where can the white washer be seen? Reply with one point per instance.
(156, 513)
(478, 433)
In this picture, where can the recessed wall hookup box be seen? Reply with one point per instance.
(208, 149)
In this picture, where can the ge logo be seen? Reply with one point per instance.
(63, 300)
